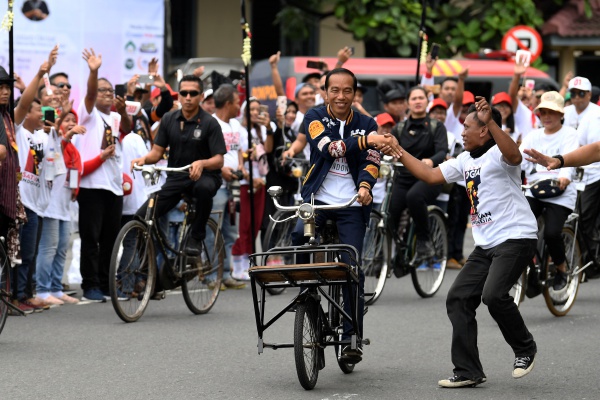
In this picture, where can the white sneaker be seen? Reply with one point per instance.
(242, 276)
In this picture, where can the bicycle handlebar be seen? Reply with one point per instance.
(154, 168)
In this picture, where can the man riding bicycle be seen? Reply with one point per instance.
(344, 161)
(193, 137)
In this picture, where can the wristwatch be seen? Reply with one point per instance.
(561, 159)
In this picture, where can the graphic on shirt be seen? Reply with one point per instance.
(315, 129)
(340, 167)
(323, 142)
(473, 180)
(232, 140)
(337, 149)
(34, 158)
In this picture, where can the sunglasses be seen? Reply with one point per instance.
(193, 93)
(580, 93)
(63, 85)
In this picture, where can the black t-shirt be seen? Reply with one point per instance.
(199, 138)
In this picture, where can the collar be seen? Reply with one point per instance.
(419, 121)
(196, 118)
(478, 152)
(348, 118)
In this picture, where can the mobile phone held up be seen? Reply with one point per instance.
(320, 65)
(435, 50)
(120, 91)
(146, 79)
(264, 110)
(49, 113)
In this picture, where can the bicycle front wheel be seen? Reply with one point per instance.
(4, 286)
(374, 263)
(559, 302)
(428, 277)
(279, 235)
(307, 343)
(199, 292)
(132, 271)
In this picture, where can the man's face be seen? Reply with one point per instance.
(208, 105)
(233, 108)
(4, 93)
(438, 113)
(447, 91)
(472, 133)
(190, 96)
(396, 108)
(385, 128)
(305, 98)
(106, 95)
(35, 116)
(580, 98)
(56, 97)
(535, 100)
(359, 97)
(463, 112)
(340, 94)
(63, 84)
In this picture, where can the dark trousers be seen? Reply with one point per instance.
(4, 222)
(351, 225)
(22, 274)
(416, 195)
(458, 217)
(590, 214)
(554, 219)
(488, 276)
(203, 190)
(99, 224)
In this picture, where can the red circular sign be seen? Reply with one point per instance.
(523, 37)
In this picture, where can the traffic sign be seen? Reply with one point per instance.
(523, 37)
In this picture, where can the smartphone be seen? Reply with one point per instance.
(48, 113)
(282, 104)
(120, 91)
(524, 55)
(435, 50)
(263, 109)
(235, 74)
(530, 84)
(351, 49)
(146, 79)
(320, 65)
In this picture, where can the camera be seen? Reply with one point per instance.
(238, 174)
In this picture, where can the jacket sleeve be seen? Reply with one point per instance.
(370, 161)
(440, 142)
(327, 142)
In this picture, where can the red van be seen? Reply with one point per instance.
(486, 77)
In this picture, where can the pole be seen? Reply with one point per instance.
(246, 58)
(11, 59)
(422, 34)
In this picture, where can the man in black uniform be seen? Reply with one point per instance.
(193, 137)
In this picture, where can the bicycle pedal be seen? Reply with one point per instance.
(366, 341)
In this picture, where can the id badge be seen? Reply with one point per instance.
(197, 135)
(73, 179)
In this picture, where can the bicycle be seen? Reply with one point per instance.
(133, 267)
(5, 293)
(389, 252)
(539, 274)
(314, 329)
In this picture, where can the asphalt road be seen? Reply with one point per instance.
(86, 352)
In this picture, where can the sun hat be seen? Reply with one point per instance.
(552, 101)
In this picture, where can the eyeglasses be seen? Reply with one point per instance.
(192, 93)
(580, 93)
(63, 85)
(106, 90)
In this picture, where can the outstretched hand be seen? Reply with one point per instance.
(94, 61)
(274, 59)
(542, 159)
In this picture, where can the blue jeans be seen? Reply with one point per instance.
(21, 273)
(229, 232)
(52, 253)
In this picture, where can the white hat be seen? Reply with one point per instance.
(208, 93)
(552, 101)
(580, 83)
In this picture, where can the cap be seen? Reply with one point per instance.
(468, 98)
(4, 76)
(501, 97)
(156, 92)
(580, 83)
(140, 88)
(299, 87)
(384, 118)
(438, 103)
(552, 101)
(361, 87)
(394, 94)
(208, 93)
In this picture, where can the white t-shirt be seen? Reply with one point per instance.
(453, 124)
(499, 210)
(54, 195)
(338, 186)
(524, 121)
(561, 142)
(231, 134)
(109, 175)
(588, 130)
(30, 144)
(133, 147)
(379, 190)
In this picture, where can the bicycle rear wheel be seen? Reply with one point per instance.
(4, 286)
(200, 293)
(336, 322)
(132, 271)
(559, 302)
(428, 277)
(307, 343)
(374, 261)
(279, 235)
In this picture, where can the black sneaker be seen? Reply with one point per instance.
(424, 249)
(193, 246)
(460, 381)
(351, 356)
(523, 366)
(560, 280)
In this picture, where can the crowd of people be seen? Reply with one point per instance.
(55, 155)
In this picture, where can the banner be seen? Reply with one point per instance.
(127, 33)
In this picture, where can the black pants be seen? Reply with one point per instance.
(458, 217)
(203, 190)
(416, 195)
(99, 224)
(488, 276)
(590, 214)
(554, 219)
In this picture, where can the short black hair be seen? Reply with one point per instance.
(496, 116)
(192, 78)
(412, 89)
(450, 78)
(340, 71)
(223, 95)
(57, 75)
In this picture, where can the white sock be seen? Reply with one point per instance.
(43, 295)
(238, 267)
(58, 295)
(245, 262)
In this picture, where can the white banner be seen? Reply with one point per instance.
(127, 33)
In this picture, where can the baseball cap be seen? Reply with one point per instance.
(384, 118)
(468, 98)
(580, 83)
(208, 93)
(501, 97)
(361, 87)
(552, 101)
(300, 86)
(438, 103)
(394, 94)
